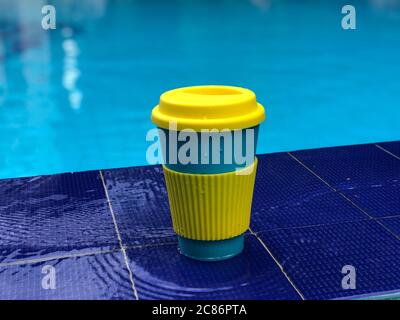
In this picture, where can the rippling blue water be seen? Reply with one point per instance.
(79, 97)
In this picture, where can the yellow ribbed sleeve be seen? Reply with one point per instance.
(210, 206)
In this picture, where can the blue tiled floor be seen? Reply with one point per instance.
(367, 175)
(140, 202)
(314, 257)
(100, 276)
(54, 215)
(393, 224)
(109, 235)
(392, 147)
(286, 195)
(160, 272)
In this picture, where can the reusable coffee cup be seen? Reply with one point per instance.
(208, 137)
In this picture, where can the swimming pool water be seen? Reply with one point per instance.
(79, 97)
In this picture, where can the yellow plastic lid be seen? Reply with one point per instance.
(208, 107)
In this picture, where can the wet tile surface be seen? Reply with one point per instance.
(161, 272)
(101, 276)
(53, 216)
(367, 175)
(314, 258)
(315, 211)
(286, 195)
(140, 203)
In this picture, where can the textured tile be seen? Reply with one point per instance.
(287, 195)
(140, 202)
(369, 176)
(393, 224)
(54, 215)
(311, 229)
(392, 147)
(102, 276)
(314, 257)
(161, 272)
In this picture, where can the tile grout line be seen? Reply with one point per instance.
(331, 187)
(387, 229)
(150, 245)
(376, 219)
(119, 236)
(308, 169)
(346, 198)
(77, 255)
(317, 225)
(59, 257)
(387, 151)
(278, 264)
(389, 217)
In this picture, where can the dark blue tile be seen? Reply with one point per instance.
(313, 258)
(140, 201)
(161, 272)
(101, 276)
(311, 229)
(393, 224)
(367, 175)
(288, 195)
(392, 147)
(54, 215)
(377, 200)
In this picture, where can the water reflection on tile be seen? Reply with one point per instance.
(140, 202)
(161, 272)
(368, 176)
(101, 276)
(53, 216)
(286, 195)
(314, 258)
